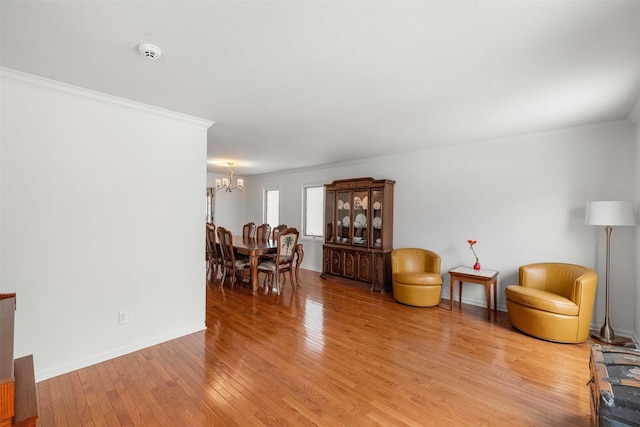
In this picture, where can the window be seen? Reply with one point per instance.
(272, 207)
(312, 210)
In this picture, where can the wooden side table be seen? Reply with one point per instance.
(488, 278)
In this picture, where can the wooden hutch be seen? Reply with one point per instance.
(358, 236)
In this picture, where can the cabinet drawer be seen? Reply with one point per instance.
(336, 263)
(365, 267)
(350, 265)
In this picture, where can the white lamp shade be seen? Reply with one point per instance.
(609, 213)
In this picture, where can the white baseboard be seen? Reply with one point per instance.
(112, 354)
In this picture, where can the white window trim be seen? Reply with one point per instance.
(264, 203)
(303, 209)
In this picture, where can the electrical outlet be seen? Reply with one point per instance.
(123, 317)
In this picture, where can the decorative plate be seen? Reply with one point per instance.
(340, 204)
(377, 205)
(346, 205)
(346, 220)
(360, 221)
(377, 222)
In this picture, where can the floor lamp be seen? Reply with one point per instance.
(609, 214)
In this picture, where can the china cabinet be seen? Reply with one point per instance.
(358, 235)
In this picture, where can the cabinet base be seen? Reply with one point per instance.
(356, 283)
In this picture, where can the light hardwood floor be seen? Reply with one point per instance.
(331, 355)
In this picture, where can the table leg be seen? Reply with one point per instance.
(487, 287)
(253, 266)
(451, 296)
(495, 296)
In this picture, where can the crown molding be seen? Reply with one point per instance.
(7, 74)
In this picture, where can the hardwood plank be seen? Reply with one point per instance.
(331, 354)
(73, 396)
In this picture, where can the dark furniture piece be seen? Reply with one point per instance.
(214, 260)
(263, 232)
(18, 399)
(283, 262)
(615, 386)
(276, 230)
(254, 249)
(358, 236)
(230, 264)
(249, 230)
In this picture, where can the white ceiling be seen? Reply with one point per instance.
(300, 83)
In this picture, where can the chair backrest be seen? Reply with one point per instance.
(277, 229)
(415, 260)
(263, 232)
(249, 230)
(226, 245)
(212, 252)
(287, 242)
(557, 278)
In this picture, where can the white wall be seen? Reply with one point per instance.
(522, 198)
(101, 212)
(228, 208)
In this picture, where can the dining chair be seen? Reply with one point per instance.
(287, 241)
(214, 260)
(229, 262)
(249, 230)
(263, 232)
(276, 230)
(299, 258)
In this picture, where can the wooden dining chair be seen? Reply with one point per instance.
(249, 230)
(283, 262)
(263, 232)
(230, 264)
(214, 260)
(277, 229)
(299, 258)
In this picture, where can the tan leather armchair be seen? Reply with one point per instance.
(416, 277)
(554, 301)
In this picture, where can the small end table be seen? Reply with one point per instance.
(488, 278)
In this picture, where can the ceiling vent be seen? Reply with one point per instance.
(149, 50)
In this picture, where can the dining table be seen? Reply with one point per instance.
(256, 248)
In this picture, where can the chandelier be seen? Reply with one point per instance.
(226, 184)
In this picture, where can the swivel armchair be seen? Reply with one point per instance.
(553, 301)
(416, 277)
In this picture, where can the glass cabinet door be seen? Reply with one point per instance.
(360, 219)
(329, 215)
(343, 219)
(376, 217)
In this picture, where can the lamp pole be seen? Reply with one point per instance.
(606, 332)
(609, 214)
